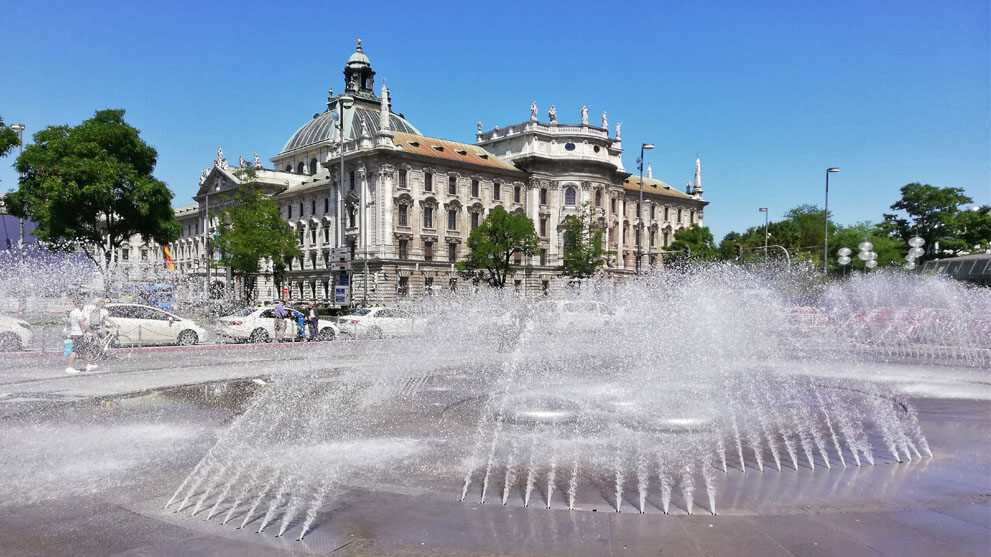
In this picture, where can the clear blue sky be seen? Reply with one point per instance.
(771, 93)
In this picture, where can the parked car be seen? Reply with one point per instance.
(258, 325)
(575, 315)
(15, 334)
(378, 322)
(141, 324)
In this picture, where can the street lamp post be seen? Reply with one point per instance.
(643, 147)
(764, 210)
(19, 128)
(825, 219)
(344, 102)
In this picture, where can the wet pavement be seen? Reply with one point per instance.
(88, 472)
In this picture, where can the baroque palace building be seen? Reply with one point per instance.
(360, 178)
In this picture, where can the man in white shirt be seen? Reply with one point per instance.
(78, 327)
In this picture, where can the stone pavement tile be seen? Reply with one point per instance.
(958, 533)
(652, 534)
(731, 535)
(975, 513)
(888, 537)
(806, 535)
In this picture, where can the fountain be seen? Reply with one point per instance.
(696, 378)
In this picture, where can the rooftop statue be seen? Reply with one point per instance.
(258, 161)
(203, 175)
(605, 123)
(619, 125)
(479, 127)
(533, 111)
(584, 115)
(241, 162)
(552, 115)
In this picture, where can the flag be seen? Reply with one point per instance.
(169, 264)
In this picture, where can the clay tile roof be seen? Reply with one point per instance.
(450, 150)
(655, 187)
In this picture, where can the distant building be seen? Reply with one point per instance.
(407, 202)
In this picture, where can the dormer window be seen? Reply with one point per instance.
(439, 148)
(462, 152)
(414, 143)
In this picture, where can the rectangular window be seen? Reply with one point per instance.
(517, 285)
(403, 218)
(144, 255)
(543, 226)
(652, 234)
(313, 235)
(543, 196)
(313, 206)
(452, 185)
(124, 254)
(402, 178)
(679, 215)
(428, 251)
(452, 219)
(428, 181)
(452, 252)
(496, 191)
(288, 214)
(326, 205)
(326, 234)
(545, 286)
(402, 249)
(652, 208)
(517, 194)
(428, 285)
(612, 205)
(402, 288)
(428, 217)
(351, 177)
(691, 217)
(543, 256)
(474, 188)
(300, 208)
(474, 220)
(667, 213)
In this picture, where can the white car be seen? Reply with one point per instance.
(140, 324)
(378, 322)
(15, 334)
(258, 325)
(575, 315)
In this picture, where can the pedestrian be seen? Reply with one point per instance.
(78, 328)
(280, 320)
(99, 318)
(314, 321)
(300, 324)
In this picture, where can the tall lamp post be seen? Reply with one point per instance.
(764, 210)
(19, 128)
(344, 102)
(825, 219)
(643, 147)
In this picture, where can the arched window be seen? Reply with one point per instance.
(598, 198)
(313, 166)
(288, 168)
(569, 197)
(300, 167)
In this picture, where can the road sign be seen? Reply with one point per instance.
(341, 295)
(340, 265)
(340, 254)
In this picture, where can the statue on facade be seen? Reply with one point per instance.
(552, 115)
(619, 126)
(258, 161)
(584, 115)
(364, 128)
(241, 162)
(533, 111)
(605, 122)
(221, 161)
(203, 175)
(479, 127)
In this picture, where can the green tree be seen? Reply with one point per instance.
(8, 139)
(493, 243)
(91, 187)
(890, 250)
(583, 252)
(698, 241)
(251, 229)
(935, 214)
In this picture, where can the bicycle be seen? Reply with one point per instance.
(110, 346)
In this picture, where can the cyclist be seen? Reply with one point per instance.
(99, 319)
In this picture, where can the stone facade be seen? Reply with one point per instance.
(362, 178)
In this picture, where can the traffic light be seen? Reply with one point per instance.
(739, 250)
